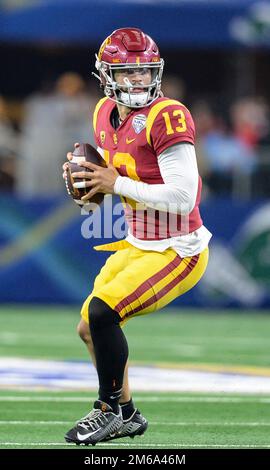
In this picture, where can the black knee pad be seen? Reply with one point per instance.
(101, 315)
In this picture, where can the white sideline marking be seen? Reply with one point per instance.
(153, 445)
(50, 423)
(151, 423)
(140, 399)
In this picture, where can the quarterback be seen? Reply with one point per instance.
(147, 141)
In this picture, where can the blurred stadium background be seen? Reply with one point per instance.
(214, 339)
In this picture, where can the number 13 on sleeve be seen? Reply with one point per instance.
(181, 120)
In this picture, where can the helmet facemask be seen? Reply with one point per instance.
(122, 94)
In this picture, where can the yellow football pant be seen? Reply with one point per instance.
(135, 282)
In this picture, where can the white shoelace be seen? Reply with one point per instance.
(93, 420)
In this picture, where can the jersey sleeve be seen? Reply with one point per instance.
(170, 125)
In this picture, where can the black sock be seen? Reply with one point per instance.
(111, 351)
(127, 409)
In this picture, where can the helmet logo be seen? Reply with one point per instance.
(105, 43)
(138, 123)
(102, 136)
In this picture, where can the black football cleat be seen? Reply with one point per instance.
(136, 425)
(96, 426)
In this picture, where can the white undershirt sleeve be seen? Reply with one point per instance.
(179, 171)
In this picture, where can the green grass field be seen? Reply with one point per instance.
(236, 341)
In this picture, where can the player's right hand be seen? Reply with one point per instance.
(69, 157)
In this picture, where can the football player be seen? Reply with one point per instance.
(147, 141)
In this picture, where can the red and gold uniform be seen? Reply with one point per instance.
(133, 150)
(138, 281)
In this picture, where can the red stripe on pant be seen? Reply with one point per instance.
(191, 265)
(148, 284)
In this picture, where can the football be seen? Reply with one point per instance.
(87, 153)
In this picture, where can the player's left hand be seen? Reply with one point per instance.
(99, 179)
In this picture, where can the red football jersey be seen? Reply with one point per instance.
(133, 149)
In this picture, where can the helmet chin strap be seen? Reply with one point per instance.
(133, 99)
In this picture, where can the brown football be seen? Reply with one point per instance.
(87, 153)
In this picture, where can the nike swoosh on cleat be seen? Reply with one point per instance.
(82, 437)
(129, 141)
